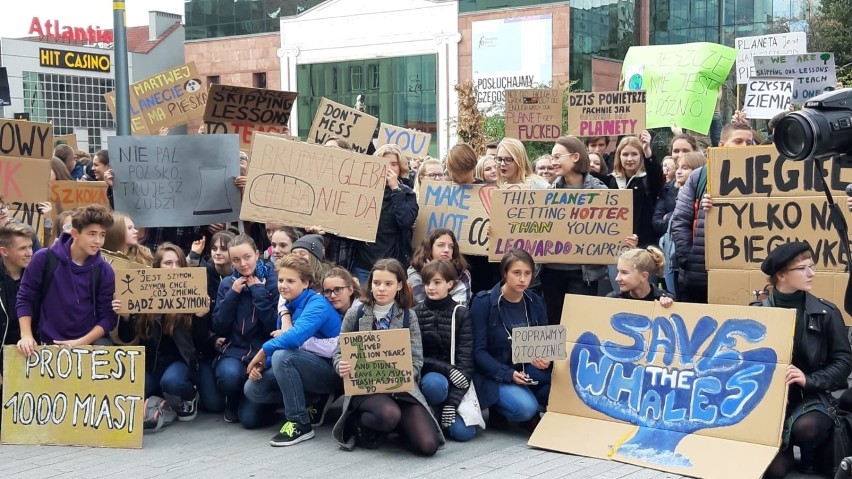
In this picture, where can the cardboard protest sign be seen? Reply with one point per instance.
(334, 119)
(244, 110)
(762, 200)
(25, 150)
(814, 73)
(464, 209)
(67, 195)
(671, 389)
(380, 361)
(534, 114)
(159, 290)
(171, 98)
(682, 81)
(176, 180)
(120, 260)
(70, 140)
(561, 226)
(611, 113)
(415, 144)
(300, 184)
(545, 342)
(138, 126)
(767, 97)
(775, 44)
(80, 396)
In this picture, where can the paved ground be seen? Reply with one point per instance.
(209, 448)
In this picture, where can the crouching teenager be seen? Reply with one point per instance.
(69, 287)
(368, 419)
(283, 369)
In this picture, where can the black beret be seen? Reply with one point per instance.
(779, 257)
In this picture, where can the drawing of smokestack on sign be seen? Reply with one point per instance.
(282, 192)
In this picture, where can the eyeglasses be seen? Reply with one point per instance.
(808, 267)
(334, 291)
(560, 155)
(435, 176)
(504, 160)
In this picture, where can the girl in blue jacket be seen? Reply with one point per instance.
(282, 367)
(244, 317)
(514, 392)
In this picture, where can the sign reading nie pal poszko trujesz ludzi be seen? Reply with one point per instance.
(176, 180)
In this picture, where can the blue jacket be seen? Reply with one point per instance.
(312, 316)
(688, 232)
(492, 349)
(246, 319)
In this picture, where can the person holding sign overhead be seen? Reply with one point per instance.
(571, 171)
(514, 393)
(178, 350)
(368, 419)
(822, 360)
(244, 317)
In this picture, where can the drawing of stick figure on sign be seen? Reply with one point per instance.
(127, 281)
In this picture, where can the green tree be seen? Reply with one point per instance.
(830, 32)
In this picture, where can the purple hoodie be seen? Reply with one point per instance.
(70, 309)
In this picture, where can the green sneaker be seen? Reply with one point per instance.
(292, 433)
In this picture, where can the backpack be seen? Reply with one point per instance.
(47, 275)
(158, 413)
(406, 322)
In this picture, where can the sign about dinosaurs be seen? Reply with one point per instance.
(381, 362)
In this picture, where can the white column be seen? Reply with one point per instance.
(448, 77)
(289, 55)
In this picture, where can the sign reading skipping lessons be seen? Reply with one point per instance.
(300, 184)
(761, 201)
(333, 119)
(464, 209)
(561, 226)
(176, 180)
(767, 97)
(673, 388)
(774, 44)
(243, 110)
(80, 396)
(413, 143)
(162, 290)
(380, 361)
(682, 81)
(611, 113)
(814, 73)
(545, 342)
(534, 114)
(25, 151)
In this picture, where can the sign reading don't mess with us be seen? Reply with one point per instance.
(73, 60)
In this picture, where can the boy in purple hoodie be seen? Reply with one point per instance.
(73, 311)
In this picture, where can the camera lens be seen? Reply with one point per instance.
(794, 137)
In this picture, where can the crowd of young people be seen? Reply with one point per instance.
(267, 349)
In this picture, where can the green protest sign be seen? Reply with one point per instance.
(682, 81)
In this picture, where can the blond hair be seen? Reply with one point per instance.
(400, 156)
(519, 154)
(648, 260)
(625, 142)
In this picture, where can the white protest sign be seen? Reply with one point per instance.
(814, 73)
(776, 44)
(767, 97)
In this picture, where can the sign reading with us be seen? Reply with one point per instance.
(672, 389)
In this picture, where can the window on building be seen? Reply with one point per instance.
(222, 18)
(479, 5)
(373, 76)
(213, 80)
(334, 79)
(355, 78)
(258, 80)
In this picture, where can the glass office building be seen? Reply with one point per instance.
(600, 28)
(227, 18)
(467, 6)
(400, 91)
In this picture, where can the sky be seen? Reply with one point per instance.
(82, 13)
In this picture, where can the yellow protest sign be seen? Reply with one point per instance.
(160, 290)
(673, 389)
(464, 209)
(137, 121)
(80, 396)
(561, 226)
(380, 361)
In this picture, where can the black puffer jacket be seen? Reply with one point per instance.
(688, 247)
(646, 189)
(435, 319)
(822, 352)
(664, 207)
